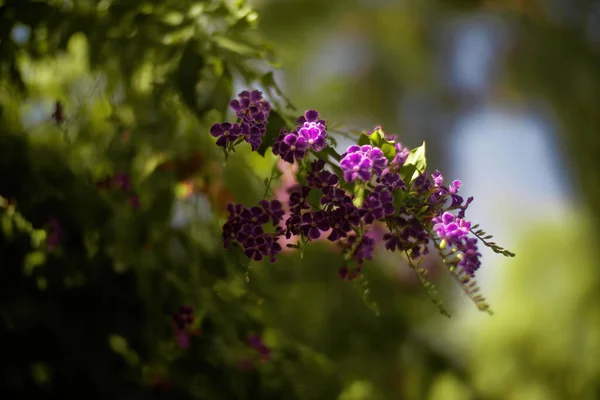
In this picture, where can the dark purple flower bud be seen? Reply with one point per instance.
(225, 133)
(438, 178)
(461, 213)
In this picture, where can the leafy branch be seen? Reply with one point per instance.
(484, 237)
(429, 287)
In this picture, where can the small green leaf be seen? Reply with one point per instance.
(363, 139)
(359, 195)
(389, 151)
(399, 197)
(314, 198)
(276, 122)
(414, 165)
(330, 151)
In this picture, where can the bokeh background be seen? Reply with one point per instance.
(506, 95)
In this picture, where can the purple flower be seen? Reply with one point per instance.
(336, 196)
(255, 216)
(324, 180)
(407, 235)
(377, 205)
(290, 146)
(235, 210)
(451, 229)
(273, 209)
(313, 223)
(422, 183)
(257, 247)
(399, 159)
(469, 257)
(226, 133)
(361, 162)
(463, 209)
(251, 108)
(298, 196)
(313, 130)
(363, 250)
(391, 181)
(342, 219)
(438, 178)
(455, 186)
(253, 134)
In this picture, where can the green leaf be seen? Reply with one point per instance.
(363, 139)
(237, 46)
(268, 80)
(377, 138)
(314, 198)
(330, 151)
(276, 122)
(414, 165)
(359, 195)
(190, 65)
(399, 197)
(389, 151)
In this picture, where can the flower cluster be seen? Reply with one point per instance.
(252, 112)
(377, 186)
(362, 162)
(310, 134)
(246, 227)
